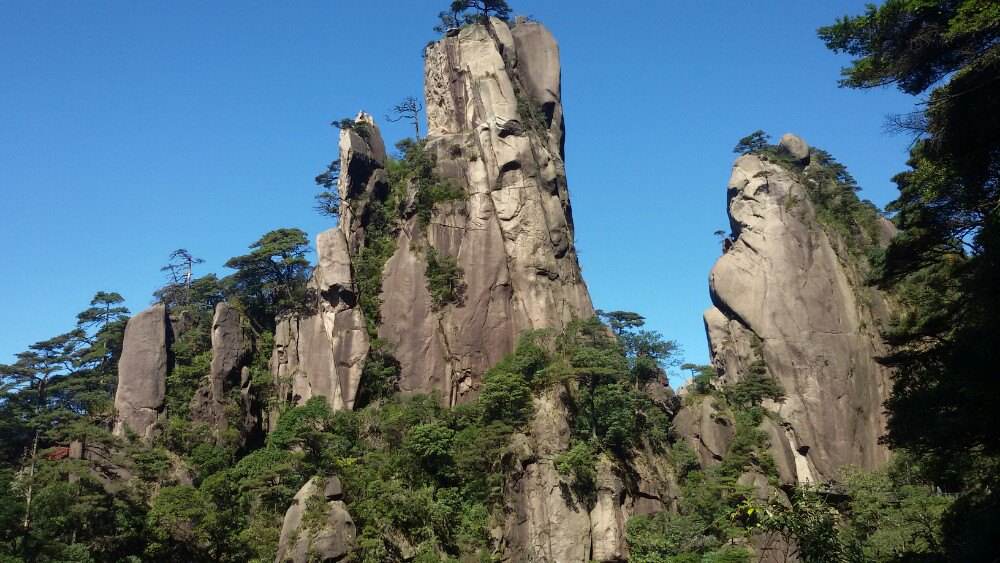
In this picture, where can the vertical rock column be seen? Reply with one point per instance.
(230, 354)
(142, 372)
(495, 127)
(322, 352)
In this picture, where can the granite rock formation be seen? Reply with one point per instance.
(548, 520)
(788, 292)
(495, 126)
(323, 353)
(231, 349)
(311, 534)
(496, 133)
(142, 372)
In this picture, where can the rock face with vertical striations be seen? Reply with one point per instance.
(142, 372)
(323, 353)
(789, 292)
(496, 129)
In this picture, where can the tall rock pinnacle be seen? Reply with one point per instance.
(142, 372)
(495, 126)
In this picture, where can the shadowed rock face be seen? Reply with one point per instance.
(781, 292)
(142, 372)
(230, 353)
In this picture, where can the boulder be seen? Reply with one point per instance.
(330, 538)
(795, 147)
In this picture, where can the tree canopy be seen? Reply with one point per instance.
(944, 263)
(271, 279)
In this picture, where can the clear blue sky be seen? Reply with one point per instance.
(131, 128)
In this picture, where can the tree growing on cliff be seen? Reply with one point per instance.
(754, 142)
(271, 279)
(463, 12)
(408, 109)
(328, 198)
(180, 273)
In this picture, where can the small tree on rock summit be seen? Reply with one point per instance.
(754, 142)
(481, 10)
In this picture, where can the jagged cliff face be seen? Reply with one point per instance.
(496, 133)
(787, 291)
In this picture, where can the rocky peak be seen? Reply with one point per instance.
(788, 294)
(511, 234)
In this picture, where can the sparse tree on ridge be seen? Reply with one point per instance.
(408, 109)
(481, 11)
(181, 271)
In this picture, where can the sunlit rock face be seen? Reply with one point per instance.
(142, 372)
(496, 133)
(495, 126)
(782, 293)
(321, 351)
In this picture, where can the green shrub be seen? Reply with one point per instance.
(505, 397)
(430, 443)
(380, 375)
(444, 279)
(578, 464)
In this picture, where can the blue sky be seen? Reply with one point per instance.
(131, 128)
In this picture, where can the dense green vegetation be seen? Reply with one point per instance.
(411, 173)
(129, 501)
(893, 514)
(943, 266)
(703, 528)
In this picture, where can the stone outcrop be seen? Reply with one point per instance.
(142, 372)
(496, 131)
(787, 292)
(706, 431)
(323, 353)
(309, 534)
(548, 521)
(230, 353)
